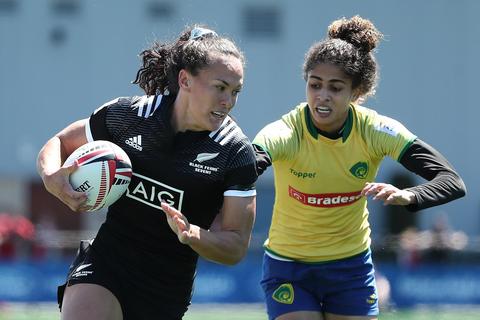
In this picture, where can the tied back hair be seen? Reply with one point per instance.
(350, 46)
(162, 62)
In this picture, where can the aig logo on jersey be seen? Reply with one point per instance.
(152, 192)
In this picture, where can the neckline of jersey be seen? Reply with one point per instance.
(347, 127)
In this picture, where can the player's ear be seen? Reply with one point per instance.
(184, 81)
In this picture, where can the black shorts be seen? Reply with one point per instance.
(139, 297)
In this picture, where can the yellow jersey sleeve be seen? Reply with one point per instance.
(384, 136)
(281, 139)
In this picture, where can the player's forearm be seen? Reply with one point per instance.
(444, 183)
(225, 247)
(49, 158)
(444, 188)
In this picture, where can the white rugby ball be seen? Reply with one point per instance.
(104, 172)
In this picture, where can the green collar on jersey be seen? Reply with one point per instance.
(347, 127)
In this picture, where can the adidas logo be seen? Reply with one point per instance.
(135, 142)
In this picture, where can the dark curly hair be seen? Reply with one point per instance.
(162, 62)
(349, 45)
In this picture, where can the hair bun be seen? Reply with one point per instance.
(358, 31)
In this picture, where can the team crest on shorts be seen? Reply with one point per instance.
(284, 294)
(372, 299)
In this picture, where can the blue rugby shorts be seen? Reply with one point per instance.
(344, 287)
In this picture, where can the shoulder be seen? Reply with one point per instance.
(229, 133)
(140, 106)
(119, 102)
(282, 138)
(296, 117)
(370, 120)
(231, 139)
(364, 114)
(289, 124)
(146, 106)
(384, 136)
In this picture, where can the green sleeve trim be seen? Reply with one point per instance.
(406, 148)
(309, 123)
(348, 125)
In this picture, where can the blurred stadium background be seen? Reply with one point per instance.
(60, 59)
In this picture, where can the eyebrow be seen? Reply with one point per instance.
(228, 84)
(334, 80)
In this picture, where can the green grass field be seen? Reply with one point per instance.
(243, 312)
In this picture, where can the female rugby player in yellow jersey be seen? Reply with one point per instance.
(325, 155)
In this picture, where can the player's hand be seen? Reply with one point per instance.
(179, 224)
(388, 193)
(58, 184)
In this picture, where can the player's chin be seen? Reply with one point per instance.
(215, 123)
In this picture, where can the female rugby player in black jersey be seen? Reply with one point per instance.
(193, 173)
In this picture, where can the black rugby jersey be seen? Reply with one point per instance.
(192, 171)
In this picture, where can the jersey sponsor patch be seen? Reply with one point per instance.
(152, 192)
(324, 200)
(387, 128)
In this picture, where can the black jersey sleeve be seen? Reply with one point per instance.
(444, 183)
(107, 120)
(263, 160)
(97, 122)
(242, 175)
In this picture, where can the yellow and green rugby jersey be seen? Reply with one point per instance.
(318, 213)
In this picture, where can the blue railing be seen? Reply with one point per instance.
(425, 284)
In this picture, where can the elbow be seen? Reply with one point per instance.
(459, 186)
(462, 189)
(236, 255)
(235, 258)
(231, 262)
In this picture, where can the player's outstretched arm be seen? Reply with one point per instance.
(443, 184)
(227, 240)
(50, 160)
